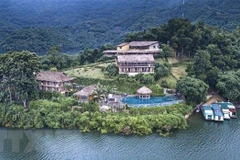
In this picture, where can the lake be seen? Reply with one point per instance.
(201, 140)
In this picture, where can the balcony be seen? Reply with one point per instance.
(135, 65)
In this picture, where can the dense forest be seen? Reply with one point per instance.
(214, 54)
(75, 25)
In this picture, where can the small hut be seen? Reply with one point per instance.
(86, 93)
(144, 92)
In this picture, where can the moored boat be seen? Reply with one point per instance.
(218, 115)
(225, 111)
(207, 113)
(230, 107)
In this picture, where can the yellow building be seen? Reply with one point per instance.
(123, 47)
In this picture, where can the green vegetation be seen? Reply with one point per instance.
(111, 70)
(211, 52)
(58, 113)
(179, 70)
(229, 86)
(38, 25)
(56, 60)
(121, 84)
(194, 90)
(17, 75)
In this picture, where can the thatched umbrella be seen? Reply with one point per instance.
(144, 92)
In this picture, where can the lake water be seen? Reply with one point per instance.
(201, 140)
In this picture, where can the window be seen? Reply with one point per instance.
(136, 69)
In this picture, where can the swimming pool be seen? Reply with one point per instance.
(153, 101)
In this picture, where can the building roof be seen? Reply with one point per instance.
(227, 105)
(53, 76)
(144, 90)
(122, 44)
(87, 91)
(207, 108)
(135, 58)
(142, 43)
(135, 51)
(216, 109)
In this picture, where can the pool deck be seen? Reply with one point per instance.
(116, 104)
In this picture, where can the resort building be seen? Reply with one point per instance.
(85, 94)
(53, 81)
(135, 64)
(135, 47)
(144, 92)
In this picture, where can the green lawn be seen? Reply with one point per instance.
(179, 71)
(171, 81)
(170, 60)
(88, 71)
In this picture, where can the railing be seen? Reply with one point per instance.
(136, 65)
(49, 85)
(136, 71)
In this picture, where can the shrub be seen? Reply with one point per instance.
(111, 70)
(49, 94)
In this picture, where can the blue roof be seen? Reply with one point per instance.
(217, 110)
(206, 108)
(224, 105)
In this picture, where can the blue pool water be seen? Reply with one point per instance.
(153, 101)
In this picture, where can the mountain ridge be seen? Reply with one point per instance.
(77, 24)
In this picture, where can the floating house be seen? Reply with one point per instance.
(230, 108)
(218, 115)
(135, 64)
(53, 81)
(85, 94)
(135, 47)
(144, 92)
(207, 113)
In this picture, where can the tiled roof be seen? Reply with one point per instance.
(86, 91)
(135, 58)
(141, 43)
(122, 44)
(135, 51)
(53, 76)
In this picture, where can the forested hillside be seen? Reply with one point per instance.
(77, 24)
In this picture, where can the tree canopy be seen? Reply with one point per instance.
(194, 90)
(17, 70)
(229, 86)
(37, 25)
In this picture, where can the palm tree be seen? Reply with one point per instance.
(99, 92)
